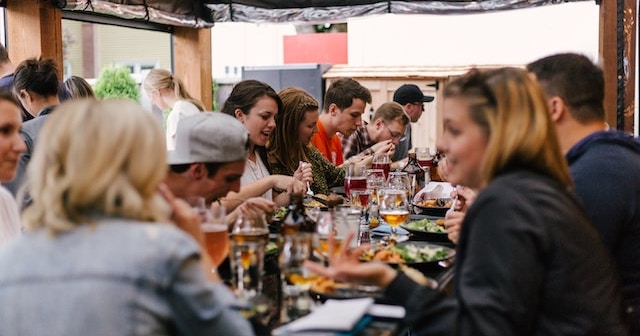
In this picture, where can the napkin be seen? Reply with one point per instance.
(434, 190)
(333, 315)
(385, 229)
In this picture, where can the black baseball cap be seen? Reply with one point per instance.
(410, 93)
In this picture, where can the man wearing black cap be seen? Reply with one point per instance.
(412, 100)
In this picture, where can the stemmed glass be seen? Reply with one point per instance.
(394, 208)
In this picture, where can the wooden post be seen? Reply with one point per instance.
(192, 62)
(34, 29)
(618, 59)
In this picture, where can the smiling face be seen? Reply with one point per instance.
(463, 142)
(348, 119)
(308, 126)
(260, 121)
(11, 143)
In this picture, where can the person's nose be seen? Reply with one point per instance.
(18, 144)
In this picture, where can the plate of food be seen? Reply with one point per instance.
(433, 207)
(420, 255)
(323, 289)
(429, 228)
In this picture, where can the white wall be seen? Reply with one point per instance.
(507, 37)
(236, 44)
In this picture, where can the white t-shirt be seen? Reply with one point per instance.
(255, 171)
(10, 225)
(180, 109)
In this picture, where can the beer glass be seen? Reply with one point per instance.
(249, 237)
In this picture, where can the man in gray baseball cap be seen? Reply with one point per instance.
(209, 158)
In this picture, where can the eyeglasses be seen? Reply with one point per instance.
(418, 104)
(394, 135)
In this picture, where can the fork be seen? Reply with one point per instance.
(309, 191)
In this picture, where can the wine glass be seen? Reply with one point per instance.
(394, 208)
(382, 161)
(249, 237)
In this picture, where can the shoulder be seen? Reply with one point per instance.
(185, 107)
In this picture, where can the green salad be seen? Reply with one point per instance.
(414, 254)
(426, 224)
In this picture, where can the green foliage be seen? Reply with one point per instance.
(216, 106)
(116, 83)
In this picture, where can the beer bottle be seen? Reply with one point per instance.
(296, 219)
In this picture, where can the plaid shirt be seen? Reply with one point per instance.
(357, 142)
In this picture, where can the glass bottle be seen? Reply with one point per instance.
(296, 219)
(415, 172)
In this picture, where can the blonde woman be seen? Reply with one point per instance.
(528, 260)
(166, 91)
(101, 256)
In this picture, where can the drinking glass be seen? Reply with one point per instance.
(216, 234)
(354, 178)
(296, 279)
(394, 208)
(249, 237)
(360, 198)
(382, 161)
(424, 157)
(198, 205)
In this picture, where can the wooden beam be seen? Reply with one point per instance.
(192, 62)
(617, 44)
(34, 29)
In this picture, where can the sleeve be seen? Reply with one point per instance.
(350, 145)
(9, 218)
(502, 266)
(201, 307)
(325, 171)
(428, 311)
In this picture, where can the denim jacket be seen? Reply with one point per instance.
(113, 277)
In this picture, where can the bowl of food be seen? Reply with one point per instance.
(433, 207)
(427, 228)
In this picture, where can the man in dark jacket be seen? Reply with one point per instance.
(605, 164)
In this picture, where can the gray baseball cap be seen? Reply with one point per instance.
(209, 137)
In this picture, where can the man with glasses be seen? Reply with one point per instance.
(385, 131)
(412, 100)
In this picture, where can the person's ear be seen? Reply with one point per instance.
(198, 171)
(557, 108)
(24, 94)
(239, 115)
(333, 109)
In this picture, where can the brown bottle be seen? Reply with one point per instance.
(296, 219)
(413, 168)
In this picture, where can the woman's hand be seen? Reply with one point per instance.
(304, 172)
(346, 266)
(453, 220)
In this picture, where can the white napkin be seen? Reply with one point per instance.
(333, 315)
(434, 190)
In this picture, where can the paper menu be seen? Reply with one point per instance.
(333, 315)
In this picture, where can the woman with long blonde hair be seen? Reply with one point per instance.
(528, 261)
(166, 91)
(100, 255)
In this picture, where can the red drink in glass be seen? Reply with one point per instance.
(385, 166)
(355, 182)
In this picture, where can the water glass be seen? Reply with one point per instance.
(296, 279)
(249, 237)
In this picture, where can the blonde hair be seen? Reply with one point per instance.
(96, 158)
(160, 79)
(512, 109)
(391, 111)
